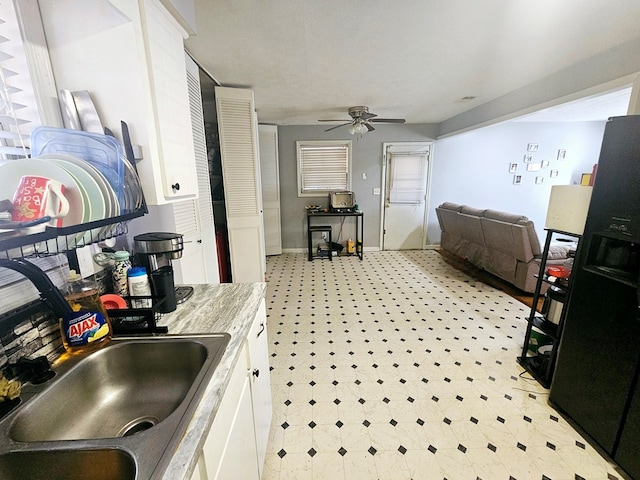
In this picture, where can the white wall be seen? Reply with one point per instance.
(473, 168)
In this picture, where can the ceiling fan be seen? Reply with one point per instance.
(361, 120)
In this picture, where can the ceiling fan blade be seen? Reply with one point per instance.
(388, 120)
(337, 126)
(340, 120)
(369, 127)
(367, 115)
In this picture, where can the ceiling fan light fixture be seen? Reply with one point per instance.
(352, 129)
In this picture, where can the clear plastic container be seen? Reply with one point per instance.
(119, 272)
(139, 287)
(88, 327)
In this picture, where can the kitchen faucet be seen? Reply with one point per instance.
(49, 293)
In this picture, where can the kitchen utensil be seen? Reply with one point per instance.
(68, 110)
(87, 113)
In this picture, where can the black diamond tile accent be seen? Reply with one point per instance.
(289, 384)
(580, 445)
(462, 448)
(333, 367)
(402, 450)
(312, 383)
(380, 381)
(393, 422)
(424, 380)
(339, 424)
(282, 453)
(366, 423)
(469, 379)
(337, 401)
(292, 367)
(483, 398)
(531, 395)
(410, 399)
(386, 400)
(447, 379)
(420, 422)
(287, 402)
(527, 419)
(312, 424)
(342, 451)
(473, 420)
(312, 402)
(354, 366)
(361, 401)
(459, 398)
(522, 447)
(492, 447)
(285, 425)
(312, 452)
(334, 383)
(500, 419)
(446, 420)
(578, 477)
(372, 450)
(432, 449)
(508, 397)
(357, 382)
(312, 367)
(554, 418)
(551, 446)
(434, 398)
(402, 380)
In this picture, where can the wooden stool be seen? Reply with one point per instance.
(319, 228)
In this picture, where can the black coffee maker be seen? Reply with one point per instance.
(155, 251)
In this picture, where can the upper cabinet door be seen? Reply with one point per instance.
(241, 177)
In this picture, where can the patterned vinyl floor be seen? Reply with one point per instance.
(401, 367)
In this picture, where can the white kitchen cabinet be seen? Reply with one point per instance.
(130, 56)
(236, 445)
(260, 383)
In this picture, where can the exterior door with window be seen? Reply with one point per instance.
(404, 215)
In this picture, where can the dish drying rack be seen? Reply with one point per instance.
(128, 321)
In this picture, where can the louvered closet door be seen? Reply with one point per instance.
(241, 177)
(268, 135)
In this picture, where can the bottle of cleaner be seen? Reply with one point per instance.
(119, 273)
(88, 327)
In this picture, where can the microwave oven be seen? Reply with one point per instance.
(342, 202)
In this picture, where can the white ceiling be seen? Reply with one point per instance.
(312, 59)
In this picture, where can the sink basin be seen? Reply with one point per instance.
(117, 413)
(119, 391)
(106, 464)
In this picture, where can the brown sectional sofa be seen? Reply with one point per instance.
(501, 243)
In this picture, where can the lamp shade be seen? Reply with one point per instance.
(568, 208)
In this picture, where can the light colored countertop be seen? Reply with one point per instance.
(224, 308)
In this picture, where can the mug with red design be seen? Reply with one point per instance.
(38, 197)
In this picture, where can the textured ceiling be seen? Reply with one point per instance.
(312, 59)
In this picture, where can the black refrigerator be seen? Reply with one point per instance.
(596, 378)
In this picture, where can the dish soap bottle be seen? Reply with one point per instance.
(88, 327)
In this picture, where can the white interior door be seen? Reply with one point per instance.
(241, 176)
(268, 141)
(405, 201)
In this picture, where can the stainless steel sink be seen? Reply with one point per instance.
(106, 464)
(132, 400)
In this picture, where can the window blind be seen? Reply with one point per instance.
(323, 167)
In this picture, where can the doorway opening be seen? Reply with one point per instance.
(406, 175)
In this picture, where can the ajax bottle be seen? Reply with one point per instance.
(88, 327)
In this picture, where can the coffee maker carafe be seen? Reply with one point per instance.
(155, 251)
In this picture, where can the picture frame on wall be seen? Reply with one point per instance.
(532, 147)
(517, 179)
(533, 167)
(527, 158)
(539, 180)
(562, 154)
(554, 173)
(513, 167)
(544, 164)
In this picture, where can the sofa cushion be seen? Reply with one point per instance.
(475, 212)
(533, 236)
(503, 216)
(451, 206)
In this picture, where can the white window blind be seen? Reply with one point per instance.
(323, 166)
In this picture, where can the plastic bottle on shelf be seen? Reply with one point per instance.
(139, 287)
(88, 327)
(119, 273)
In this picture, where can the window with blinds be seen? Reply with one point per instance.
(323, 167)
